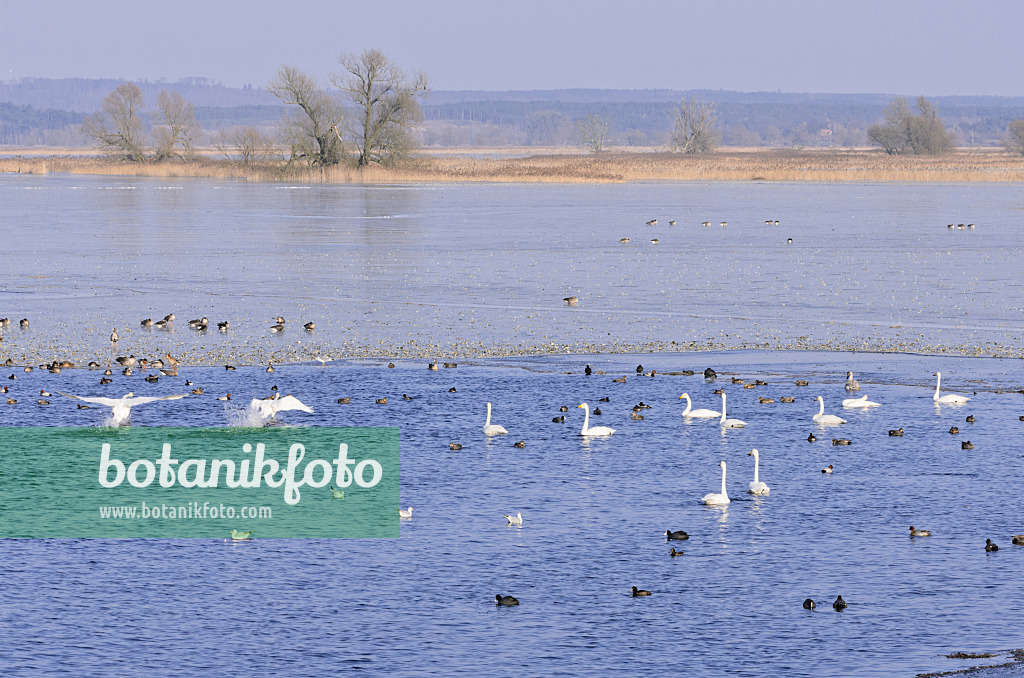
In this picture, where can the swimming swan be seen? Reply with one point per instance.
(851, 383)
(699, 414)
(756, 487)
(822, 418)
(595, 431)
(492, 429)
(949, 397)
(718, 499)
(729, 423)
(860, 402)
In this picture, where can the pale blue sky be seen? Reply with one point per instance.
(931, 47)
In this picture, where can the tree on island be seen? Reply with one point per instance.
(178, 126)
(696, 128)
(386, 106)
(311, 131)
(119, 124)
(1014, 139)
(591, 132)
(907, 133)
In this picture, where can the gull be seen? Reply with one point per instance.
(517, 519)
(405, 514)
(269, 408)
(322, 359)
(121, 407)
(337, 494)
(238, 535)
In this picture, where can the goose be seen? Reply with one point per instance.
(721, 498)
(697, 414)
(822, 418)
(808, 604)
(919, 533)
(851, 383)
(990, 545)
(432, 366)
(121, 407)
(270, 367)
(492, 429)
(729, 423)
(405, 514)
(517, 519)
(505, 601)
(587, 430)
(639, 592)
(840, 604)
(678, 535)
(949, 398)
(756, 486)
(860, 402)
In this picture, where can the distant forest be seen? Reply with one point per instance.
(42, 112)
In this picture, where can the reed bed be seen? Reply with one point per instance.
(819, 165)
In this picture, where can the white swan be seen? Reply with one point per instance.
(949, 397)
(851, 383)
(728, 423)
(699, 414)
(597, 430)
(492, 429)
(860, 402)
(718, 499)
(822, 418)
(269, 407)
(121, 407)
(756, 487)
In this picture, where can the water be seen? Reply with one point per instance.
(409, 263)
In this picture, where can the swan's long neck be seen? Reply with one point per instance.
(756, 464)
(821, 406)
(722, 420)
(688, 404)
(938, 380)
(723, 478)
(586, 419)
(488, 422)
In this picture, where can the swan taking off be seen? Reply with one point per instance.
(698, 414)
(860, 402)
(728, 423)
(269, 408)
(492, 429)
(949, 397)
(822, 418)
(718, 499)
(756, 487)
(121, 407)
(595, 431)
(851, 383)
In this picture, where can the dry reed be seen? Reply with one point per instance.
(819, 165)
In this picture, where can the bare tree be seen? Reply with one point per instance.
(591, 132)
(118, 123)
(248, 145)
(312, 130)
(385, 101)
(178, 126)
(906, 132)
(1014, 139)
(696, 128)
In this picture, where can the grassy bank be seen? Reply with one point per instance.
(823, 165)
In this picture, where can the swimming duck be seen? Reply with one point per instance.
(571, 301)
(505, 601)
(954, 430)
(226, 396)
(454, 446)
(639, 592)
(674, 553)
(841, 441)
(787, 399)
(896, 433)
(223, 326)
(277, 328)
(381, 401)
(309, 327)
(967, 445)
(148, 322)
(827, 469)
(802, 382)
(270, 367)
(678, 535)
(840, 604)
(1018, 539)
(990, 546)
(808, 604)
(919, 533)
(558, 420)
(970, 419)
(521, 444)
(811, 438)
(344, 401)
(587, 370)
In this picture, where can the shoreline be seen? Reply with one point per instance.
(569, 166)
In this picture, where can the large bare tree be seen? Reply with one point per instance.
(1014, 139)
(696, 128)
(247, 145)
(118, 124)
(906, 132)
(312, 130)
(178, 126)
(591, 132)
(385, 101)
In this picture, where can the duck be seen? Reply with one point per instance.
(896, 433)
(223, 326)
(454, 446)
(787, 399)
(391, 366)
(953, 430)
(450, 366)
(432, 366)
(406, 396)
(277, 328)
(851, 383)
(840, 604)
(1017, 539)
(588, 370)
(970, 419)
(808, 604)
(344, 401)
(151, 378)
(677, 535)
(841, 441)
(521, 444)
(674, 553)
(226, 396)
(309, 327)
(710, 374)
(827, 469)
(148, 322)
(270, 367)
(229, 367)
(811, 438)
(505, 601)
(560, 419)
(652, 222)
(597, 411)
(967, 445)
(639, 592)
(104, 380)
(802, 382)
(990, 545)
(571, 301)
(919, 533)
(381, 401)
(452, 390)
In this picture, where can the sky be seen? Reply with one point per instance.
(910, 47)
